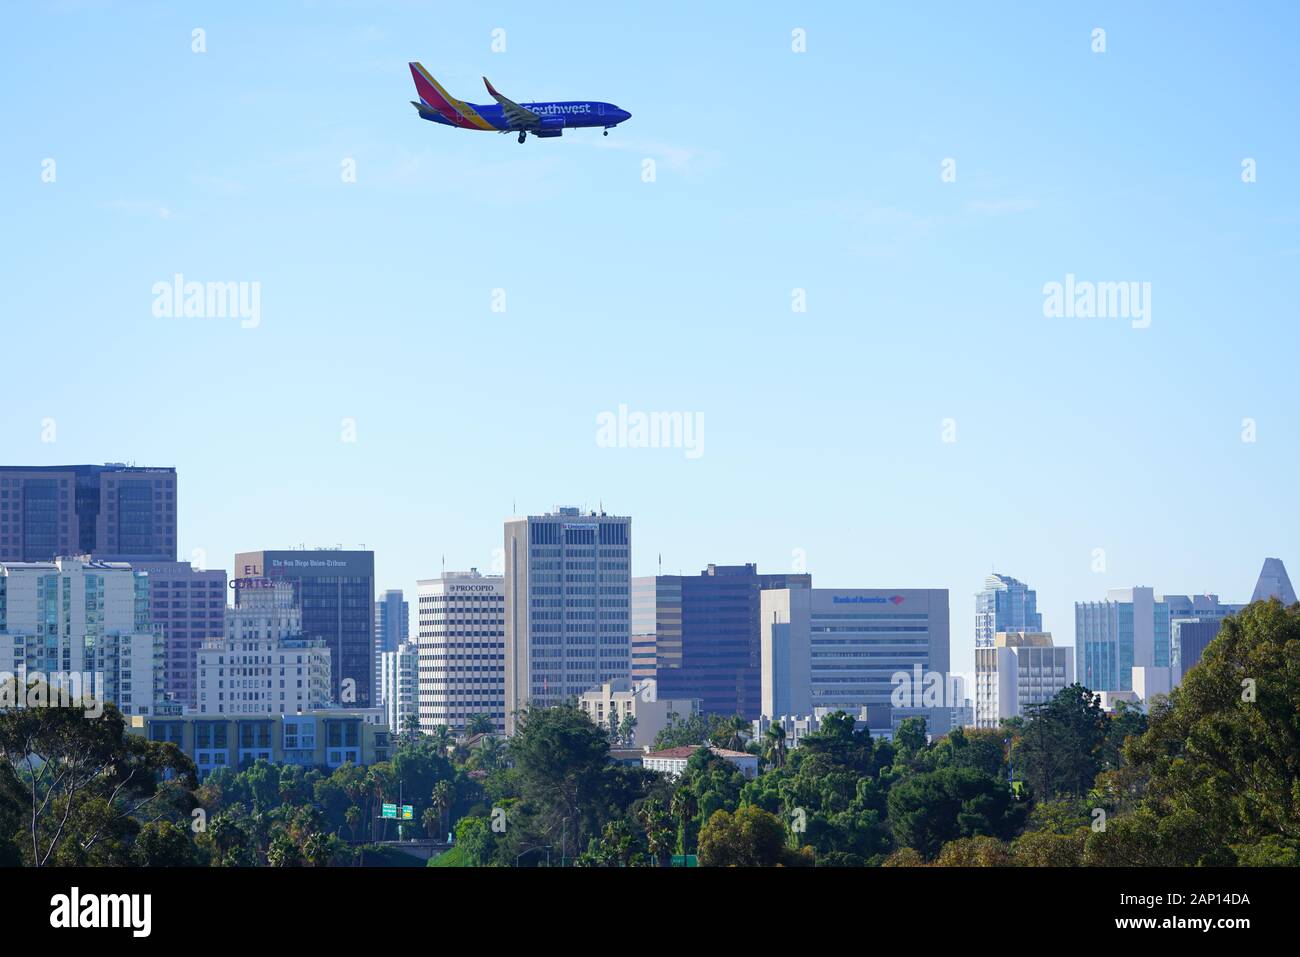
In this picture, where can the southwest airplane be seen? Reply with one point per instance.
(506, 116)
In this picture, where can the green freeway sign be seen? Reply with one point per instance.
(390, 810)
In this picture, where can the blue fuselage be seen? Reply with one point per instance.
(556, 115)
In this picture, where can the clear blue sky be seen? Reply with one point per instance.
(775, 170)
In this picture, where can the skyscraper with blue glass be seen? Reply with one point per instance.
(1133, 628)
(1005, 604)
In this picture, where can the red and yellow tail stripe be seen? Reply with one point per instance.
(455, 111)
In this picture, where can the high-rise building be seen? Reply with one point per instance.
(189, 606)
(706, 635)
(89, 619)
(392, 625)
(649, 627)
(1132, 628)
(263, 664)
(1005, 605)
(1274, 583)
(854, 648)
(1021, 669)
(336, 591)
(399, 685)
(1189, 637)
(111, 512)
(567, 585)
(462, 650)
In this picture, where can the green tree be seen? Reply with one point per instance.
(164, 844)
(657, 823)
(441, 800)
(751, 837)
(475, 840)
(1060, 749)
(930, 809)
(86, 784)
(1217, 768)
(1128, 721)
(774, 745)
(479, 724)
(978, 851)
(731, 733)
(561, 758)
(283, 852)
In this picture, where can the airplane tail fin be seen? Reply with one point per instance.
(432, 93)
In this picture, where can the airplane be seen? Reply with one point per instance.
(543, 120)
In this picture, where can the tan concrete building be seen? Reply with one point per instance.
(1022, 668)
(613, 702)
(325, 738)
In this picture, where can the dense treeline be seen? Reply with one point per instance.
(1210, 776)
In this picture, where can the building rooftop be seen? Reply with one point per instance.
(687, 750)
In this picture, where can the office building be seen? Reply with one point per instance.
(827, 649)
(567, 587)
(263, 664)
(672, 761)
(188, 605)
(1021, 669)
(315, 739)
(336, 591)
(1132, 628)
(611, 705)
(392, 625)
(1005, 605)
(1151, 681)
(462, 650)
(1274, 582)
(647, 624)
(399, 685)
(110, 512)
(796, 728)
(705, 630)
(84, 618)
(1189, 637)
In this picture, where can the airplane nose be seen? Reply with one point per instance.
(624, 115)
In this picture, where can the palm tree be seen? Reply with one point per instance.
(774, 750)
(316, 850)
(443, 797)
(431, 822)
(411, 726)
(684, 807)
(479, 724)
(441, 736)
(488, 753)
(730, 733)
(658, 831)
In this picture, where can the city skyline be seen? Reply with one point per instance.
(961, 651)
(924, 298)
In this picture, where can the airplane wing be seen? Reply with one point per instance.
(516, 114)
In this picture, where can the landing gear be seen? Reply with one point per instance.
(522, 134)
(604, 133)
